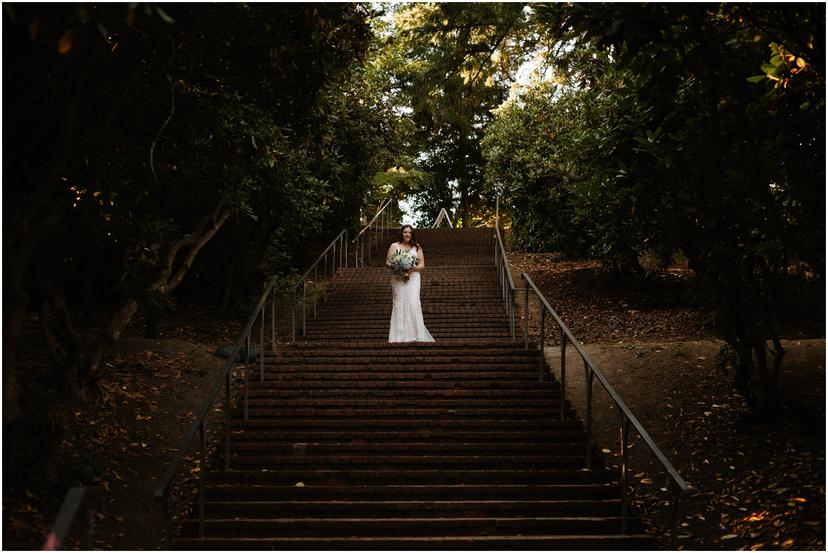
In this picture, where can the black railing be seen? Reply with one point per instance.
(374, 231)
(440, 216)
(337, 250)
(504, 273)
(80, 502)
(676, 485)
(332, 258)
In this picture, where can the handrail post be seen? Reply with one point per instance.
(273, 320)
(540, 342)
(246, 374)
(563, 373)
(293, 318)
(526, 314)
(202, 470)
(497, 211)
(227, 396)
(304, 315)
(315, 289)
(261, 352)
(625, 500)
(589, 375)
(512, 314)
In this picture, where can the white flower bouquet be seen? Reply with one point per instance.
(401, 263)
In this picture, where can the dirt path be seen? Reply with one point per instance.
(759, 487)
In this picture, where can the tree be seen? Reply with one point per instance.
(143, 132)
(450, 64)
(674, 144)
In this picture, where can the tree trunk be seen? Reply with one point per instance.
(151, 324)
(16, 299)
(15, 306)
(464, 205)
(228, 289)
(97, 348)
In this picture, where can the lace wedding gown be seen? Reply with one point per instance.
(407, 315)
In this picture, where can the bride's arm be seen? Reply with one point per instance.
(420, 260)
(389, 255)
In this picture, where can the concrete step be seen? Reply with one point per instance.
(401, 510)
(501, 542)
(378, 462)
(422, 475)
(441, 436)
(475, 423)
(464, 522)
(305, 449)
(257, 492)
(344, 394)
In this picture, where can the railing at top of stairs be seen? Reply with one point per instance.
(504, 273)
(440, 216)
(332, 258)
(675, 483)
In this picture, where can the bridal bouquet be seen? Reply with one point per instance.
(402, 262)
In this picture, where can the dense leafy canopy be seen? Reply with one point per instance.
(146, 143)
(449, 65)
(659, 136)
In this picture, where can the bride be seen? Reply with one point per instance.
(407, 316)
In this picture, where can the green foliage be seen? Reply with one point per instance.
(142, 127)
(449, 64)
(658, 139)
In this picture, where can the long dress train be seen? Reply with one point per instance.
(407, 314)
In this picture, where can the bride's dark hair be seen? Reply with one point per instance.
(413, 242)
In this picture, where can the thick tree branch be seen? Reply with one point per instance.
(496, 45)
(195, 248)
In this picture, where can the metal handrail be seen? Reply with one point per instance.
(507, 283)
(382, 226)
(244, 340)
(86, 499)
(337, 262)
(504, 274)
(200, 424)
(443, 213)
(678, 487)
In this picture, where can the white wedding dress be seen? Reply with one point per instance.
(407, 315)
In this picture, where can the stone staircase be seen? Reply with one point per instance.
(354, 443)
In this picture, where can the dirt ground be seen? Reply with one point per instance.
(123, 442)
(757, 487)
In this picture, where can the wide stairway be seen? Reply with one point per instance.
(354, 443)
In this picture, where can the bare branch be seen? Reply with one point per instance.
(161, 130)
(194, 249)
